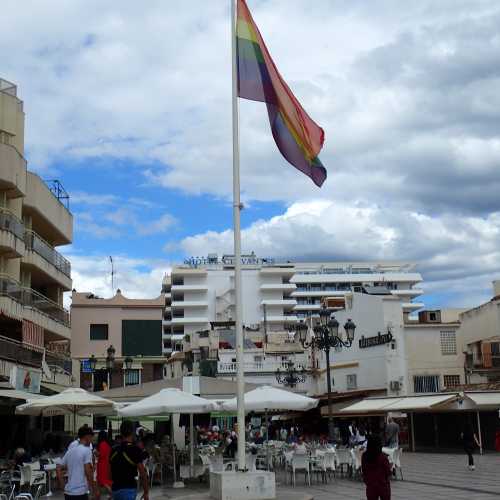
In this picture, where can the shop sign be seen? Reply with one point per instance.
(374, 341)
(25, 379)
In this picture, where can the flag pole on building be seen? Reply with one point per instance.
(237, 206)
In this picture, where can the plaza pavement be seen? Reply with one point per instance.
(427, 476)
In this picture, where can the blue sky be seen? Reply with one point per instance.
(131, 110)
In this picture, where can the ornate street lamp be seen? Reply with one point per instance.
(326, 336)
(290, 377)
(128, 361)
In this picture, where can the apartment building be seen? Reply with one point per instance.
(315, 281)
(34, 220)
(116, 342)
(202, 291)
(480, 337)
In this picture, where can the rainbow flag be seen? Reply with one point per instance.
(297, 136)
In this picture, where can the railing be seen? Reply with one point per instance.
(256, 366)
(31, 298)
(20, 353)
(9, 222)
(61, 361)
(37, 244)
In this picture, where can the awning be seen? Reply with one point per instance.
(420, 402)
(22, 395)
(369, 405)
(485, 398)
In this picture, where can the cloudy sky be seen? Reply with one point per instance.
(130, 109)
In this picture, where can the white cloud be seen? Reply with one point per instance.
(458, 256)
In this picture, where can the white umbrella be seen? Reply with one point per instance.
(268, 398)
(169, 401)
(73, 400)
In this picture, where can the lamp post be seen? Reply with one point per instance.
(326, 336)
(110, 362)
(290, 377)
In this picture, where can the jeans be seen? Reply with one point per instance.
(469, 448)
(125, 494)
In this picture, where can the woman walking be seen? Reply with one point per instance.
(103, 467)
(470, 440)
(376, 470)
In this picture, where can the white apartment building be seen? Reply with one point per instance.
(314, 281)
(419, 356)
(201, 291)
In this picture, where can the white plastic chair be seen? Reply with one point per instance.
(330, 462)
(318, 464)
(300, 461)
(344, 457)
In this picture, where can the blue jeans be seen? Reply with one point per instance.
(125, 494)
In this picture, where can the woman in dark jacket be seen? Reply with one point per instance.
(470, 440)
(376, 470)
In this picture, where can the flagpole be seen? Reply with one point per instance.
(240, 374)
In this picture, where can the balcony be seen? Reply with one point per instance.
(252, 367)
(183, 320)
(20, 353)
(327, 292)
(307, 307)
(279, 286)
(44, 258)
(281, 318)
(189, 288)
(26, 303)
(409, 292)
(51, 217)
(412, 306)
(182, 304)
(12, 171)
(11, 235)
(287, 303)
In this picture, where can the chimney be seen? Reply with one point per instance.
(496, 288)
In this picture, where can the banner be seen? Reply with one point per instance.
(25, 379)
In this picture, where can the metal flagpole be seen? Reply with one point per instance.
(240, 376)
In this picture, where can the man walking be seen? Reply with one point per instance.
(126, 464)
(78, 463)
(392, 433)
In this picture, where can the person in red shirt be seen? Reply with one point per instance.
(376, 471)
(103, 467)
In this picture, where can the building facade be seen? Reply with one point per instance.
(34, 220)
(111, 332)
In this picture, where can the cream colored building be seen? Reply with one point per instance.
(34, 220)
(133, 327)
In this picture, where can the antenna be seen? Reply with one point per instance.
(112, 275)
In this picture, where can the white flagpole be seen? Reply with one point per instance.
(240, 374)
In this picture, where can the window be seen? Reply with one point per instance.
(426, 383)
(451, 381)
(448, 343)
(131, 377)
(98, 332)
(352, 381)
(432, 316)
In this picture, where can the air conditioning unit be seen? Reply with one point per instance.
(395, 385)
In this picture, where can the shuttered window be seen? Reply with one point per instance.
(426, 383)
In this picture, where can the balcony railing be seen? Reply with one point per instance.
(37, 244)
(31, 298)
(256, 366)
(9, 222)
(19, 353)
(59, 360)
